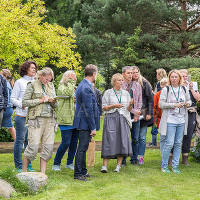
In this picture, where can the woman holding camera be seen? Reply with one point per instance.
(174, 120)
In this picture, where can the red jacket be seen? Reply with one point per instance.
(157, 112)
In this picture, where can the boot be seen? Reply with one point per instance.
(185, 159)
(170, 160)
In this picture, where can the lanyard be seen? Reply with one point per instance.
(177, 98)
(43, 88)
(131, 93)
(119, 99)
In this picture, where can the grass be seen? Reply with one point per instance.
(98, 136)
(133, 182)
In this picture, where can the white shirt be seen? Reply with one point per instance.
(18, 93)
(110, 98)
(176, 115)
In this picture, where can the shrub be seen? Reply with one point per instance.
(196, 150)
(5, 135)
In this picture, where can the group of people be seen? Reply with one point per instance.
(130, 107)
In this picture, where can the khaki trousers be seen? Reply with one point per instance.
(43, 132)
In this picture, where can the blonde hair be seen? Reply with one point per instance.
(164, 81)
(7, 74)
(115, 77)
(45, 71)
(66, 75)
(183, 71)
(176, 72)
(161, 73)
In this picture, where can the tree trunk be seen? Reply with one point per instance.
(184, 43)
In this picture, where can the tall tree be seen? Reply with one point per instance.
(169, 31)
(62, 12)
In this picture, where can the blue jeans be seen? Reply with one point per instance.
(135, 130)
(174, 138)
(69, 140)
(21, 138)
(142, 140)
(154, 140)
(162, 142)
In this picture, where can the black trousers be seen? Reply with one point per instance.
(190, 130)
(80, 159)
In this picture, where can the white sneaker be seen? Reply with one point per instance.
(104, 169)
(117, 168)
(56, 168)
(71, 166)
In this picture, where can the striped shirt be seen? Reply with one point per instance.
(135, 90)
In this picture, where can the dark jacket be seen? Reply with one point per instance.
(3, 93)
(87, 116)
(147, 102)
(98, 95)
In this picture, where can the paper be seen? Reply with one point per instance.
(62, 97)
(195, 86)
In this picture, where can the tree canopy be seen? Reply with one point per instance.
(25, 36)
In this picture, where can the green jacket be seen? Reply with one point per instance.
(32, 96)
(66, 108)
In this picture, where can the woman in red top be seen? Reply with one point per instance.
(157, 112)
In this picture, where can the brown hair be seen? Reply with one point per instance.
(90, 70)
(140, 76)
(23, 69)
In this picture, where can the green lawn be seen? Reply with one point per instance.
(133, 182)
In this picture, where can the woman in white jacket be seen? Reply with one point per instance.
(173, 125)
(27, 71)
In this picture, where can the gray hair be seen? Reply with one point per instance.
(126, 68)
(46, 71)
(65, 76)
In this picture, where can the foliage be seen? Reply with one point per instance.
(24, 35)
(5, 136)
(151, 64)
(62, 12)
(196, 150)
(168, 37)
(100, 82)
(195, 74)
(9, 175)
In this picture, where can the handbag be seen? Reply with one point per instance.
(91, 153)
(154, 130)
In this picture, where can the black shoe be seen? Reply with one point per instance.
(80, 178)
(88, 176)
(150, 144)
(134, 162)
